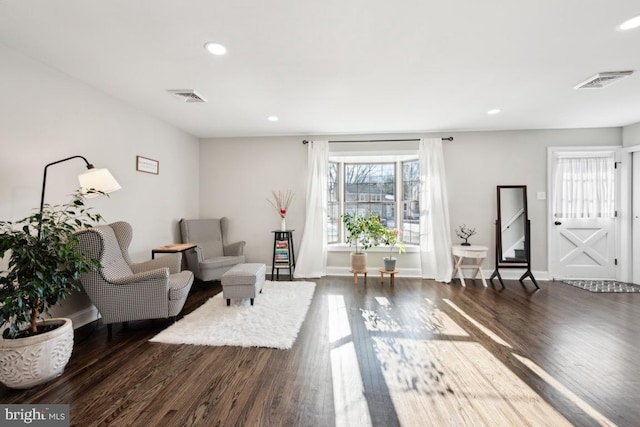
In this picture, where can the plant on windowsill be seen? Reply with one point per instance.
(363, 233)
(44, 267)
(390, 239)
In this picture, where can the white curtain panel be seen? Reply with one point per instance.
(312, 256)
(435, 231)
(585, 188)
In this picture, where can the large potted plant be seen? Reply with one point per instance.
(390, 238)
(44, 267)
(363, 233)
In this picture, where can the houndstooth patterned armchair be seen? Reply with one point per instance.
(123, 291)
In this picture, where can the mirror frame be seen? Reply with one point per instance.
(514, 263)
(500, 252)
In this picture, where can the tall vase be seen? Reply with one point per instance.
(283, 224)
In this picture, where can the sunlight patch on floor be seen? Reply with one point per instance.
(430, 319)
(350, 404)
(383, 301)
(477, 324)
(445, 379)
(338, 318)
(457, 383)
(597, 416)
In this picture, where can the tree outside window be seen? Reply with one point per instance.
(372, 188)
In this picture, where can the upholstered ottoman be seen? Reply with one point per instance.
(243, 281)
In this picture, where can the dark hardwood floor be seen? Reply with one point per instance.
(421, 353)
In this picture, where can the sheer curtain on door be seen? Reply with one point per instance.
(585, 187)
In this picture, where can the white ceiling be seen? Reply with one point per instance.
(343, 66)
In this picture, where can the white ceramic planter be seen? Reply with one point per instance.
(27, 362)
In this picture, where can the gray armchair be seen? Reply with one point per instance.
(123, 291)
(214, 255)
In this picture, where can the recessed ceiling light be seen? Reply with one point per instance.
(494, 111)
(215, 48)
(272, 118)
(630, 24)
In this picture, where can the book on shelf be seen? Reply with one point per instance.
(281, 253)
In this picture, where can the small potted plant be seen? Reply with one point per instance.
(44, 266)
(363, 233)
(390, 238)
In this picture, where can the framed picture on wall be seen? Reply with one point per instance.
(144, 164)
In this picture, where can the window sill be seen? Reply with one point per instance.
(340, 247)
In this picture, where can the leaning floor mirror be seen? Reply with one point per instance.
(513, 232)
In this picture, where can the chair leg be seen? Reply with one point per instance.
(109, 330)
(251, 301)
(228, 301)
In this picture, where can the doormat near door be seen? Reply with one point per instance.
(603, 285)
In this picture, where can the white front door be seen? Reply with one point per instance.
(584, 248)
(582, 229)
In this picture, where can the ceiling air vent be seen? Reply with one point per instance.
(187, 95)
(602, 80)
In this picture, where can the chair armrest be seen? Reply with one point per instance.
(234, 249)
(172, 261)
(160, 275)
(193, 257)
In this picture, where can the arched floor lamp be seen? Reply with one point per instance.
(93, 178)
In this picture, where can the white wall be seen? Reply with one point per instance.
(46, 116)
(476, 162)
(631, 135)
(237, 176)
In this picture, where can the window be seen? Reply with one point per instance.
(585, 187)
(410, 204)
(333, 208)
(371, 188)
(364, 188)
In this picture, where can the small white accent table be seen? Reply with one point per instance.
(475, 252)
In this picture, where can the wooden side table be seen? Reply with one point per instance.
(172, 249)
(475, 252)
(391, 274)
(355, 275)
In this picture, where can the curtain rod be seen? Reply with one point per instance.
(450, 138)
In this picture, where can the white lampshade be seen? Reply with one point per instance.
(98, 179)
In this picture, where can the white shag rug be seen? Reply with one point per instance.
(273, 321)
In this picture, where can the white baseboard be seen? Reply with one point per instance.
(507, 274)
(84, 317)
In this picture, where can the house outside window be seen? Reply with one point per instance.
(333, 208)
(410, 202)
(388, 189)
